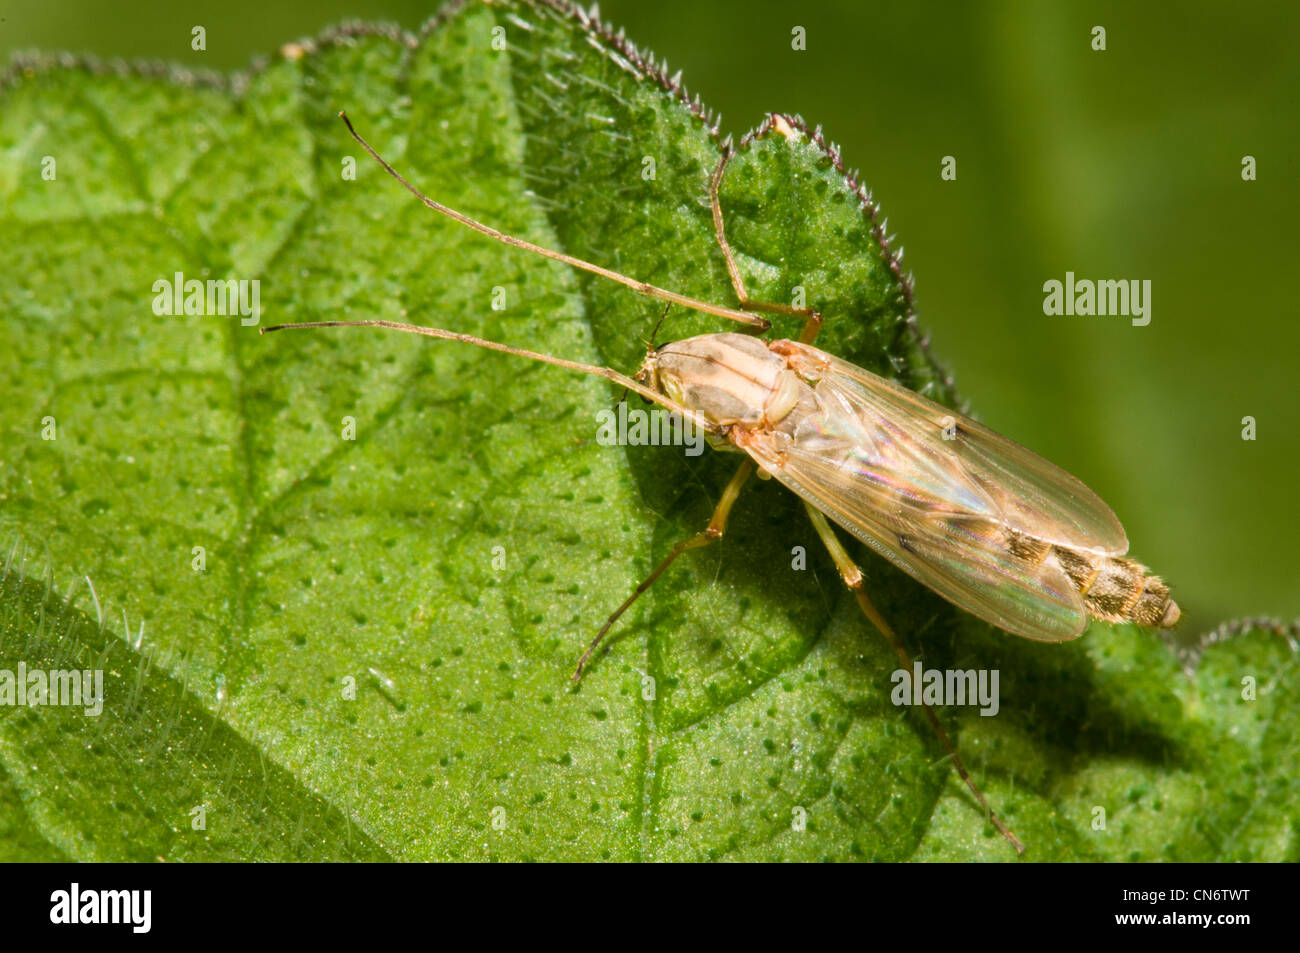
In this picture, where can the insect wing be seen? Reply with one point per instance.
(1034, 496)
(873, 458)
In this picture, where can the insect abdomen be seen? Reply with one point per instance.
(1116, 589)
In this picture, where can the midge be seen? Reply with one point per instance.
(990, 526)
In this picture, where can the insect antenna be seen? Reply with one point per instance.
(641, 287)
(654, 333)
(606, 372)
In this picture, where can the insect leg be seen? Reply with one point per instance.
(813, 320)
(852, 577)
(711, 533)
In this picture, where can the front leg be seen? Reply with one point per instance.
(711, 533)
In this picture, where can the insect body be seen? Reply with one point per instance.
(984, 522)
(990, 526)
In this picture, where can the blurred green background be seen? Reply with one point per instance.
(1117, 164)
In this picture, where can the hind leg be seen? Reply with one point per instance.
(852, 576)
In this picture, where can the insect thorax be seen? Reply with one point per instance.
(732, 380)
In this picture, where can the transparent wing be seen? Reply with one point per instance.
(961, 516)
(1033, 495)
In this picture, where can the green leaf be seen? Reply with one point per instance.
(351, 676)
